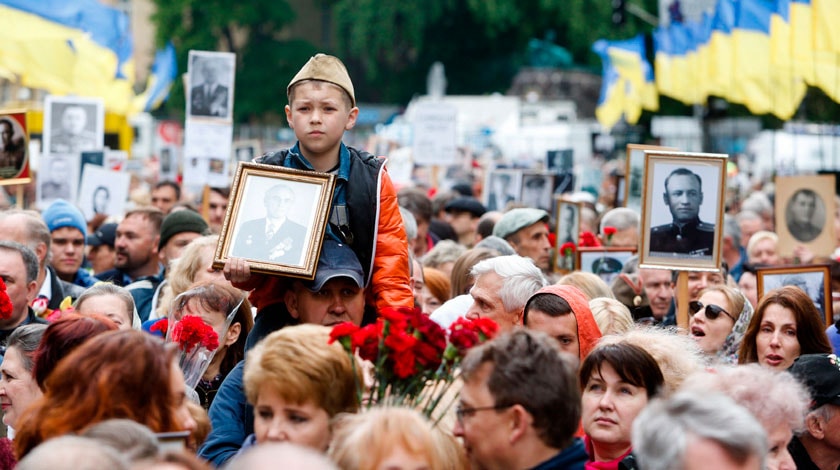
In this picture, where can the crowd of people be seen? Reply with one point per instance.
(582, 374)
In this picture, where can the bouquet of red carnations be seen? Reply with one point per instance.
(415, 361)
(197, 343)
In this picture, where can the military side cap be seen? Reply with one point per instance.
(327, 69)
(517, 219)
(466, 204)
(821, 374)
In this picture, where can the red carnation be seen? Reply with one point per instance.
(5, 302)
(567, 248)
(191, 331)
(588, 239)
(161, 326)
(366, 340)
(486, 327)
(404, 364)
(395, 316)
(609, 231)
(342, 333)
(463, 339)
(399, 341)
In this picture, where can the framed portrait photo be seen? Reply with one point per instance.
(537, 190)
(276, 219)
(814, 279)
(567, 220)
(210, 85)
(682, 210)
(73, 124)
(634, 174)
(605, 262)
(14, 148)
(805, 213)
(246, 150)
(501, 187)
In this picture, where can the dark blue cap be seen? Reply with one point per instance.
(106, 234)
(337, 260)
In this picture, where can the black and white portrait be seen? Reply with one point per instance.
(605, 264)
(683, 207)
(211, 78)
(805, 215)
(101, 200)
(165, 160)
(560, 160)
(568, 223)
(811, 279)
(58, 177)
(635, 173)
(73, 125)
(537, 190)
(503, 187)
(13, 146)
(103, 191)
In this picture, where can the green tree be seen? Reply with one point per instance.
(251, 30)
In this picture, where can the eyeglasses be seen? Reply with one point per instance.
(464, 411)
(712, 310)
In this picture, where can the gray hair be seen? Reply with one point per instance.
(30, 259)
(621, 218)
(520, 276)
(106, 288)
(130, 438)
(745, 215)
(759, 203)
(26, 339)
(663, 430)
(409, 222)
(445, 251)
(280, 455)
(498, 244)
(36, 229)
(732, 229)
(73, 452)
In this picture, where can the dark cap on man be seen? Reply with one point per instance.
(179, 222)
(821, 374)
(336, 260)
(466, 204)
(106, 234)
(517, 219)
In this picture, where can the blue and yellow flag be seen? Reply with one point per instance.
(78, 47)
(826, 34)
(164, 72)
(628, 84)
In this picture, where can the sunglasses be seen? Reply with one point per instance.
(712, 310)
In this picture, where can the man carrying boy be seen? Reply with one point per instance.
(364, 213)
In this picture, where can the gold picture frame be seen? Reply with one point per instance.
(805, 214)
(682, 225)
(261, 196)
(14, 160)
(567, 228)
(814, 279)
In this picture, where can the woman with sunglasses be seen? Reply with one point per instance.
(716, 321)
(786, 325)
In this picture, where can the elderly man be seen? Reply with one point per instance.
(659, 289)
(819, 445)
(526, 231)
(692, 431)
(502, 287)
(686, 234)
(19, 270)
(520, 405)
(28, 228)
(274, 238)
(626, 224)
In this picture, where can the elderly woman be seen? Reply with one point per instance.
(617, 381)
(294, 399)
(786, 325)
(762, 249)
(777, 400)
(194, 265)
(214, 301)
(390, 437)
(18, 387)
(111, 301)
(612, 316)
(127, 374)
(718, 320)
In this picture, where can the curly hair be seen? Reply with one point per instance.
(118, 374)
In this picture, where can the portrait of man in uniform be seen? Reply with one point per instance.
(686, 235)
(73, 125)
(12, 145)
(274, 238)
(805, 215)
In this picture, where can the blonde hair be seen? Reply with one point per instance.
(364, 440)
(759, 236)
(182, 272)
(299, 364)
(592, 286)
(677, 355)
(733, 296)
(612, 316)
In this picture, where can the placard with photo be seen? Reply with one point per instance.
(73, 124)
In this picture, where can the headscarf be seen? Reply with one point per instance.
(728, 353)
(588, 332)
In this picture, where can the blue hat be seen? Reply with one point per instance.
(63, 214)
(106, 234)
(337, 260)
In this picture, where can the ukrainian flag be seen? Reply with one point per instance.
(611, 102)
(628, 84)
(164, 71)
(751, 59)
(79, 47)
(826, 34)
(788, 87)
(802, 39)
(719, 79)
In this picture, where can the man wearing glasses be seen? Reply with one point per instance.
(520, 405)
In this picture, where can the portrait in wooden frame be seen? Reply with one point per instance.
(805, 214)
(814, 279)
(604, 261)
(276, 219)
(567, 228)
(682, 216)
(634, 174)
(14, 152)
